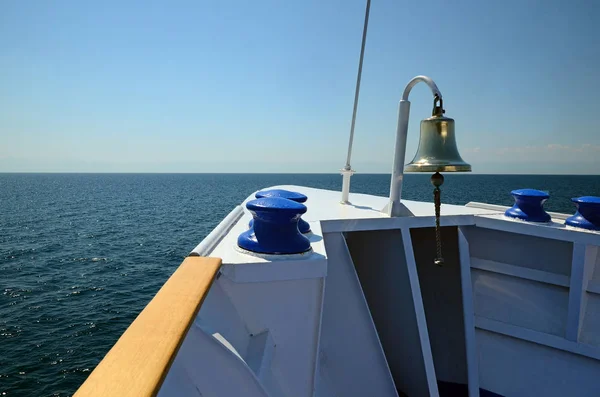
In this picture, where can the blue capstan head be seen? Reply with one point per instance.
(303, 226)
(587, 215)
(294, 196)
(275, 227)
(529, 205)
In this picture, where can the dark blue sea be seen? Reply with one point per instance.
(82, 254)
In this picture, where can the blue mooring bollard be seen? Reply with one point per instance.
(587, 215)
(303, 226)
(529, 205)
(275, 227)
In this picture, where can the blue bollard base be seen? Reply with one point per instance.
(587, 215)
(274, 227)
(529, 206)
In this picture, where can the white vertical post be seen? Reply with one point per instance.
(347, 171)
(581, 272)
(396, 208)
(413, 276)
(346, 174)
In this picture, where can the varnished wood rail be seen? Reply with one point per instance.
(140, 360)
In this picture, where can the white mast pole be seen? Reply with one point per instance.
(347, 170)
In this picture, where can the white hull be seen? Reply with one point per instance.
(515, 310)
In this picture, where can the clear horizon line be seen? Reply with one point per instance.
(281, 173)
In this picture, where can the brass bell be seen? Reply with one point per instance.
(437, 150)
(437, 153)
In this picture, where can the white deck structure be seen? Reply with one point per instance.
(515, 310)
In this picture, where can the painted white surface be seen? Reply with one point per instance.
(521, 272)
(502, 208)
(581, 272)
(589, 311)
(441, 295)
(204, 366)
(552, 230)
(469, 313)
(260, 353)
(396, 208)
(590, 327)
(241, 267)
(324, 205)
(365, 212)
(525, 251)
(282, 330)
(351, 360)
(517, 368)
(266, 311)
(594, 251)
(392, 295)
(219, 312)
(219, 317)
(535, 337)
(228, 250)
(290, 310)
(593, 286)
(420, 313)
(534, 320)
(352, 225)
(441, 291)
(521, 302)
(346, 174)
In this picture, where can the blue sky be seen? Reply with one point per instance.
(267, 86)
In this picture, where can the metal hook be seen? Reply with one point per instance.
(438, 110)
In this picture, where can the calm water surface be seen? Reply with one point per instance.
(82, 254)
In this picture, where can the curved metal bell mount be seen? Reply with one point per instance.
(437, 152)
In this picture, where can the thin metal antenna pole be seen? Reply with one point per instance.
(347, 171)
(358, 77)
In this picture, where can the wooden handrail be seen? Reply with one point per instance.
(138, 363)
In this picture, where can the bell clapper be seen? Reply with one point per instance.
(437, 180)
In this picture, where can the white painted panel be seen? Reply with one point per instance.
(517, 368)
(501, 209)
(351, 361)
(413, 276)
(441, 293)
(521, 272)
(594, 251)
(314, 267)
(590, 329)
(594, 286)
(529, 304)
(325, 205)
(205, 367)
(220, 314)
(582, 268)
(290, 311)
(468, 314)
(260, 353)
(394, 300)
(541, 338)
(553, 230)
(353, 225)
(520, 250)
